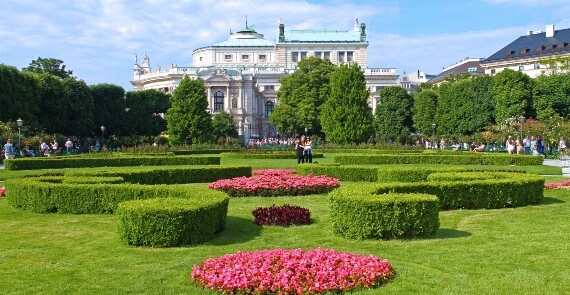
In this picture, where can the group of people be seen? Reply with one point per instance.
(530, 146)
(304, 150)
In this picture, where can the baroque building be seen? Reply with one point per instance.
(241, 74)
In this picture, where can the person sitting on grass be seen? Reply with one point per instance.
(480, 148)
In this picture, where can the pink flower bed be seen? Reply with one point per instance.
(282, 271)
(2, 191)
(275, 172)
(276, 184)
(285, 215)
(553, 185)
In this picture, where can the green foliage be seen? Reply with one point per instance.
(86, 161)
(53, 103)
(187, 119)
(19, 96)
(346, 116)
(109, 106)
(80, 108)
(357, 215)
(143, 111)
(50, 66)
(552, 96)
(448, 159)
(425, 104)
(286, 155)
(224, 126)
(301, 95)
(343, 173)
(393, 114)
(556, 65)
(170, 222)
(512, 93)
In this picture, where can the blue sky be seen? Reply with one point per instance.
(98, 38)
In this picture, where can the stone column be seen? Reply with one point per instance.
(227, 101)
(210, 104)
(240, 99)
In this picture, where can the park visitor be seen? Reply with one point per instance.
(9, 152)
(300, 151)
(69, 146)
(308, 150)
(519, 143)
(510, 145)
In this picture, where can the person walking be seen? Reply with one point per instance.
(9, 151)
(510, 145)
(69, 146)
(519, 143)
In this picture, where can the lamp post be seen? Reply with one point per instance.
(20, 122)
(102, 136)
(433, 135)
(521, 120)
(306, 130)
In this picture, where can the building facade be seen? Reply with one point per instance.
(467, 66)
(242, 73)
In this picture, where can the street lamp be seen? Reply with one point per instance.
(102, 136)
(521, 120)
(20, 122)
(433, 135)
(306, 130)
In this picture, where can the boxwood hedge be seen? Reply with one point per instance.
(449, 159)
(168, 222)
(128, 160)
(288, 155)
(358, 215)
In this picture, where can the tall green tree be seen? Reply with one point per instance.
(484, 105)
(346, 116)
(53, 103)
(224, 126)
(187, 119)
(393, 114)
(552, 96)
(80, 107)
(51, 66)
(144, 112)
(423, 111)
(19, 96)
(109, 107)
(512, 94)
(301, 95)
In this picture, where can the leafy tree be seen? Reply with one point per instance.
(425, 104)
(224, 126)
(552, 96)
(346, 116)
(53, 103)
(51, 66)
(301, 95)
(393, 114)
(556, 65)
(484, 106)
(143, 112)
(512, 94)
(80, 107)
(109, 107)
(187, 119)
(19, 96)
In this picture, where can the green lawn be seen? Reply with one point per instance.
(508, 251)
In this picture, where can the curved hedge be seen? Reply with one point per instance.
(345, 173)
(203, 152)
(368, 151)
(386, 216)
(167, 175)
(82, 162)
(290, 155)
(168, 222)
(449, 159)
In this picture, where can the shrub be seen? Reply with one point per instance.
(2, 191)
(280, 155)
(203, 152)
(344, 173)
(281, 271)
(285, 215)
(169, 222)
(81, 162)
(386, 216)
(449, 159)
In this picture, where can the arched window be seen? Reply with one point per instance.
(269, 107)
(218, 101)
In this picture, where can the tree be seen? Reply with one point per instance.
(80, 107)
(346, 116)
(425, 104)
(301, 95)
(393, 114)
(19, 96)
(144, 112)
(50, 66)
(512, 94)
(187, 119)
(53, 103)
(552, 96)
(556, 65)
(224, 126)
(109, 108)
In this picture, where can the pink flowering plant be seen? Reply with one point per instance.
(275, 183)
(273, 172)
(296, 271)
(285, 215)
(554, 185)
(2, 191)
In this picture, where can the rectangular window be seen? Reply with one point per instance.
(521, 68)
(493, 71)
(303, 55)
(341, 56)
(472, 70)
(294, 56)
(349, 56)
(327, 55)
(536, 66)
(268, 87)
(245, 57)
(262, 57)
(228, 56)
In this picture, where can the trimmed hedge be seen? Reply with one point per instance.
(369, 151)
(81, 162)
(203, 152)
(459, 159)
(344, 173)
(167, 175)
(357, 215)
(169, 222)
(289, 155)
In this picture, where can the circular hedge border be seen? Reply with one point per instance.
(290, 155)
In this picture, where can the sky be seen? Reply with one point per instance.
(97, 39)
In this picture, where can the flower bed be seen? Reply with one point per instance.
(273, 172)
(276, 184)
(2, 191)
(282, 271)
(554, 185)
(285, 215)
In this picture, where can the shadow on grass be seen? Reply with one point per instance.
(449, 233)
(238, 230)
(550, 201)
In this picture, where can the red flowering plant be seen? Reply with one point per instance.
(285, 215)
(2, 191)
(296, 271)
(554, 185)
(274, 172)
(273, 183)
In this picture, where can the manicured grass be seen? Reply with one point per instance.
(508, 251)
